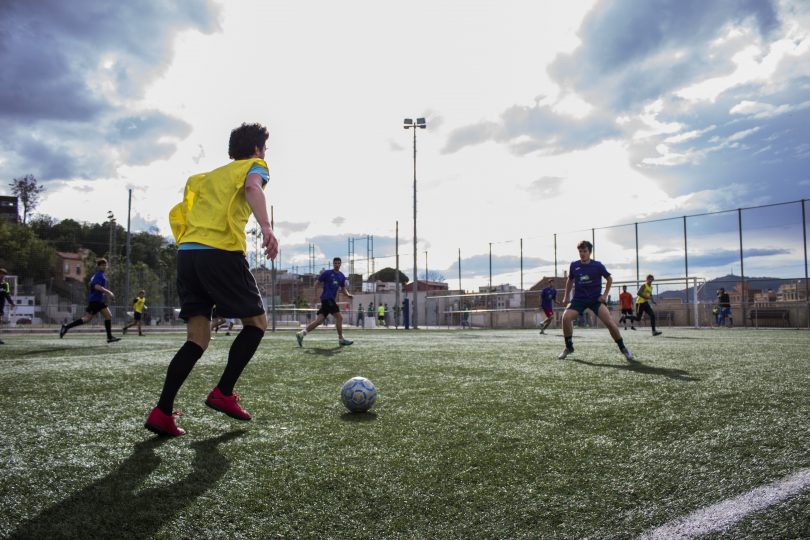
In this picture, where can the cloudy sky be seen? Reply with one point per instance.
(542, 117)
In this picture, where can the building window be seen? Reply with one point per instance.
(78, 270)
(66, 269)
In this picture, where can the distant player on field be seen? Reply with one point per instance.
(138, 306)
(333, 280)
(585, 277)
(547, 297)
(5, 296)
(95, 303)
(626, 303)
(643, 301)
(209, 228)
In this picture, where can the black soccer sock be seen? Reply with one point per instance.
(569, 342)
(242, 350)
(652, 321)
(176, 374)
(620, 343)
(108, 328)
(77, 322)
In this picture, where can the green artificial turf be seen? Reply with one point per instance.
(475, 434)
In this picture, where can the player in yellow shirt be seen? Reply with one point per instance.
(138, 306)
(212, 269)
(643, 300)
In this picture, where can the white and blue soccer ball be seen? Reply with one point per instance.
(358, 394)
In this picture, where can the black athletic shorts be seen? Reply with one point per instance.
(208, 277)
(94, 307)
(328, 307)
(137, 316)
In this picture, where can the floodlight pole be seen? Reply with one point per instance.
(409, 123)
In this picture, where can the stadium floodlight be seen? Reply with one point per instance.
(408, 123)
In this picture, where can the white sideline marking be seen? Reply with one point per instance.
(724, 514)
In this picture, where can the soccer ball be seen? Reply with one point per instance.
(358, 394)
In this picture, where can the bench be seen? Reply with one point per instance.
(779, 317)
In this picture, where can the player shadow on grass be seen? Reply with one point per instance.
(638, 367)
(324, 351)
(44, 351)
(118, 506)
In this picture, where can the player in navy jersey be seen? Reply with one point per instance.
(547, 297)
(585, 277)
(333, 280)
(95, 303)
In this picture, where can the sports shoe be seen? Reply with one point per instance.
(565, 352)
(124, 330)
(161, 423)
(2, 342)
(628, 355)
(227, 404)
(657, 333)
(300, 338)
(113, 339)
(345, 342)
(632, 328)
(62, 331)
(542, 331)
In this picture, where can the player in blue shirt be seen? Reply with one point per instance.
(547, 297)
(333, 280)
(95, 303)
(585, 277)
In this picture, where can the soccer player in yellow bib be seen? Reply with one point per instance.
(643, 300)
(138, 305)
(209, 229)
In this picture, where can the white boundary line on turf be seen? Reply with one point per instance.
(724, 514)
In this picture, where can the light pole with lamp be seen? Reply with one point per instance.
(409, 123)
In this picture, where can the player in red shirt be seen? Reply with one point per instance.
(626, 302)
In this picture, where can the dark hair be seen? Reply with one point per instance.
(624, 287)
(245, 139)
(337, 259)
(650, 276)
(101, 261)
(585, 244)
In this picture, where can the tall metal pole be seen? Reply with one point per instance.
(686, 269)
(593, 242)
(129, 245)
(272, 281)
(742, 268)
(462, 290)
(396, 301)
(490, 267)
(521, 264)
(638, 282)
(555, 254)
(806, 284)
(415, 278)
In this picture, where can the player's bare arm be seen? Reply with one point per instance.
(568, 286)
(608, 283)
(258, 205)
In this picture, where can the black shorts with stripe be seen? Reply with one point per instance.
(208, 277)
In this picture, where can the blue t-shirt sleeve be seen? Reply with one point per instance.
(98, 279)
(603, 271)
(553, 294)
(261, 171)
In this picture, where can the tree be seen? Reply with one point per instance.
(27, 190)
(388, 275)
